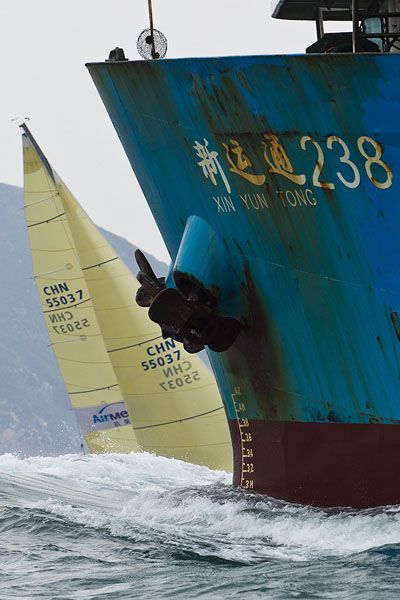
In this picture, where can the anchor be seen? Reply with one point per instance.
(188, 314)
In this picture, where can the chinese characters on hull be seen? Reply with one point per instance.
(210, 163)
(279, 163)
(242, 162)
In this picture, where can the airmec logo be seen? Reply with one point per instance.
(103, 416)
(106, 414)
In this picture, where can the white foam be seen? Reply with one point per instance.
(140, 495)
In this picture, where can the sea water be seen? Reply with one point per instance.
(139, 526)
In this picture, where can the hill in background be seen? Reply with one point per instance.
(35, 412)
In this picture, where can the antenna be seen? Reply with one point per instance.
(153, 48)
(151, 42)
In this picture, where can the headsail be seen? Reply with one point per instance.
(68, 310)
(170, 395)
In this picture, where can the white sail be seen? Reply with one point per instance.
(170, 396)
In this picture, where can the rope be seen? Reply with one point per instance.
(39, 201)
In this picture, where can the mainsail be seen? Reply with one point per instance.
(107, 350)
(71, 321)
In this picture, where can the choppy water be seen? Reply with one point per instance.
(139, 526)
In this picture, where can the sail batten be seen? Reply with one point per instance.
(180, 420)
(107, 387)
(100, 264)
(46, 221)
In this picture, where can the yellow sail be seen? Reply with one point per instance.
(170, 395)
(69, 314)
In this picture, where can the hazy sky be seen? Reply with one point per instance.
(44, 45)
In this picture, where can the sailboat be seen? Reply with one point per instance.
(68, 310)
(130, 388)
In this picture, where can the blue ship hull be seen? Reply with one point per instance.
(281, 171)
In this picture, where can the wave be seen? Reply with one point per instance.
(185, 509)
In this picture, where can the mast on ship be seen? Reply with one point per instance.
(375, 23)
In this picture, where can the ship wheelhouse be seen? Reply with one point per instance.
(376, 23)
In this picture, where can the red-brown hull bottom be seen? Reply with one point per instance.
(319, 464)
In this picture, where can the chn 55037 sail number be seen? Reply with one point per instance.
(65, 299)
